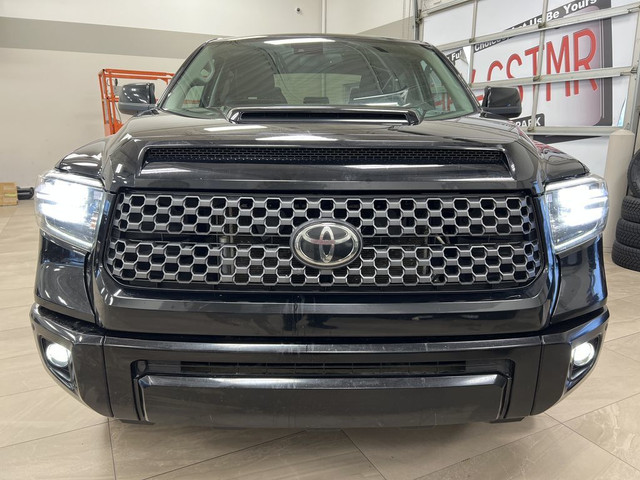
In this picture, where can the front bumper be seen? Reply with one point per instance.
(300, 384)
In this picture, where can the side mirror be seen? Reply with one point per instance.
(503, 101)
(137, 97)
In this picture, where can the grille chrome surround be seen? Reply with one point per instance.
(227, 242)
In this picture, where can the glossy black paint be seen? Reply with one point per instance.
(316, 316)
(390, 115)
(528, 170)
(555, 365)
(503, 101)
(86, 160)
(60, 281)
(583, 287)
(136, 97)
(558, 165)
(89, 383)
(118, 160)
(323, 403)
(537, 370)
(111, 328)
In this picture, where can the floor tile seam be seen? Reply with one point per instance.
(113, 460)
(19, 355)
(223, 455)
(26, 391)
(21, 305)
(14, 289)
(630, 298)
(608, 347)
(594, 410)
(602, 448)
(488, 451)
(16, 306)
(364, 455)
(51, 436)
(12, 328)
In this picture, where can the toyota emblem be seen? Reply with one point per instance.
(326, 244)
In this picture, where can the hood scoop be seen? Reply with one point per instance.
(488, 159)
(399, 116)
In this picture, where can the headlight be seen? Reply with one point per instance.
(577, 209)
(68, 207)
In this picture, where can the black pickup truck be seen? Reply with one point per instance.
(319, 231)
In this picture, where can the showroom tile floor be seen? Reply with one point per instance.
(45, 433)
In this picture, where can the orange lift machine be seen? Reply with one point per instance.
(108, 79)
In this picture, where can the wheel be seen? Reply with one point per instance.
(631, 209)
(627, 257)
(633, 175)
(628, 233)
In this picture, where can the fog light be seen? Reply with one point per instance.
(57, 355)
(583, 354)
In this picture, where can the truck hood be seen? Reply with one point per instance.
(119, 159)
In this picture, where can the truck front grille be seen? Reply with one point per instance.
(239, 242)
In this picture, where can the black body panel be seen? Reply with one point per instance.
(315, 316)
(320, 357)
(125, 166)
(528, 167)
(61, 274)
(133, 363)
(86, 160)
(325, 403)
(583, 285)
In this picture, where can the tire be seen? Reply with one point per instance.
(633, 175)
(631, 209)
(627, 257)
(628, 233)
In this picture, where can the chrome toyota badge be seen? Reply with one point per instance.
(326, 243)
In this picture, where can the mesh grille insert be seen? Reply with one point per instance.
(325, 156)
(301, 369)
(231, 242)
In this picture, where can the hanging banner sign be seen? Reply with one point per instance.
(574, 48)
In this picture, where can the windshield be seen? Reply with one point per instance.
(318, 71)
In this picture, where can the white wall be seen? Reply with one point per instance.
(213, 17)
(590, 151)
(218, 17)
(427, 4)
(51, 52)
(50, 98)
(51, 105)
(355, 16)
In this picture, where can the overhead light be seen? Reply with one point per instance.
(292, 41)
(233, 128)
(298, 138)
